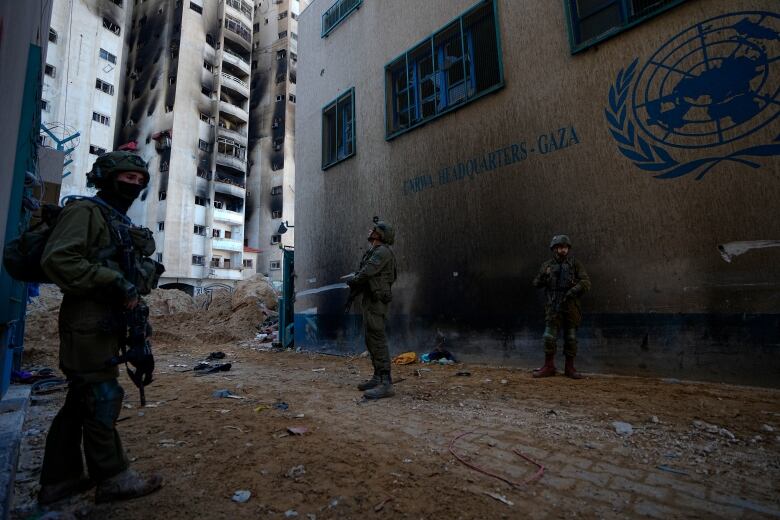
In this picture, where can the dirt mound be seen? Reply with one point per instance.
(41, 337)
(255, 290)
(164, 302)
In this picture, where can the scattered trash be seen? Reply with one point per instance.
(654, 419)
(767, 428)
(300, 416)
(504, 381)
(623, 428)
(487, 381)
(297, 430)
(671, 381)
(381, 505)
(672, 470)
(407, 358)
(281, 405)
(178, 365)
(318, 370)
(215, 355)
(463, 373)
(224, 393)
(290, 513)
(241, 496)
(261, 408)
(296, 471)
(407, 461)
(500, 498)
(551, 412)
(210, 369)
(235, 428)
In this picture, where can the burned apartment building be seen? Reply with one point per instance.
(187, 106)
(82, 85)
(271, 183)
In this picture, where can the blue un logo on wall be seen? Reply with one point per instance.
(709, 87)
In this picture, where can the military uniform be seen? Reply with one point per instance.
(375, 276)
(564, 281)
(82, 258)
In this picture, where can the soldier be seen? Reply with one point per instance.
(84, 257)
(564, 280)
(373, 281)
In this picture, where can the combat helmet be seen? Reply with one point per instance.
(560, 240)
(384, 230)
(108, 165)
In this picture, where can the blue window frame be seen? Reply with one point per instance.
(455, 65)
(338, 129)
(336, 14)
(592, 21)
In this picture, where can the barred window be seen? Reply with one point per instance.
(100, 118)
(52, 35)
(104, 86)
(337, 13)
(111, 26)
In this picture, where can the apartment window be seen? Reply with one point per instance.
(197, 229)
(239, 28)
(210, 40)
(338, 129)
(203, 145)
(159, 257)
(108, 88)
(195, 7)
(111, 26)
(200, 201)
(206, 91)
(293, 77)
(50, 70)
(230, 147)
(100, 118)
(279, 97)
(200, 172)
(52, 35)
(275, 265)
(256, 27)
(275, 239)
(247, 263)
(215, 261)
(226, 263)
(96, 150)
(277, 165)
(337, 13)
(162, 195)
(457, 64)
(280, 55)
(104, 54)
(277, 213)
(282, 15)
(206, 119)
(198, 260)
(293, 16)
(283, 34)
(276, 190)
(293, 56)
(216, 233)
(228, 233)
(280, 78)
(292, 98)
(45, 105)
(161, 226)
(294, 36)
(208, 66)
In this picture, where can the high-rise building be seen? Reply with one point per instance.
(271, 183)
(187, 107)
(82, 85)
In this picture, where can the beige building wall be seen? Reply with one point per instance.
(476, 194)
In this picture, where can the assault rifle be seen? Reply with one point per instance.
(353, 292)
(137, 350)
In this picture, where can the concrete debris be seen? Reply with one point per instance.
(767, 428)
(500, 498)
(654, 419)
(296, 471)
(241, 496)
(290, 513)
(622, 428)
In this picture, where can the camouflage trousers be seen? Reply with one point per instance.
(89, 415)
(554, 324)
(374, 320)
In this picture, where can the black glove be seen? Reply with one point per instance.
(126, 291)
(143, 360)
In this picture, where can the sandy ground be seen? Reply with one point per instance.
(696, 450)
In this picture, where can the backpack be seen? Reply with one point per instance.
(22, 255)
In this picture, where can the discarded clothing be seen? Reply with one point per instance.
(407, 358)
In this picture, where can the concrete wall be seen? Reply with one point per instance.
(476, 194)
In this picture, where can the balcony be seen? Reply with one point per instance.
(231, 217)
(233, 273)
(237, 112)
(240, 9)
(238, 85)
(238, 33)
(231, 161)
(236, 60)
(227, 244)
(229, 189)
(238, 136)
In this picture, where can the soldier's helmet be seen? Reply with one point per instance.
(385, 231)
(109, 164)
(560, 240)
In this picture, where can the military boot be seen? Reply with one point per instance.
(53, 492)
(548, 369)
(570, 371)
(127, 484)
(383, 389)
(369, 383)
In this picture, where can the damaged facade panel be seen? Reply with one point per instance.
(482, 151)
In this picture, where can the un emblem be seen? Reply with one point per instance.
(708, 87)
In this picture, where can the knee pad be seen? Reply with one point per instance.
(549, 335)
